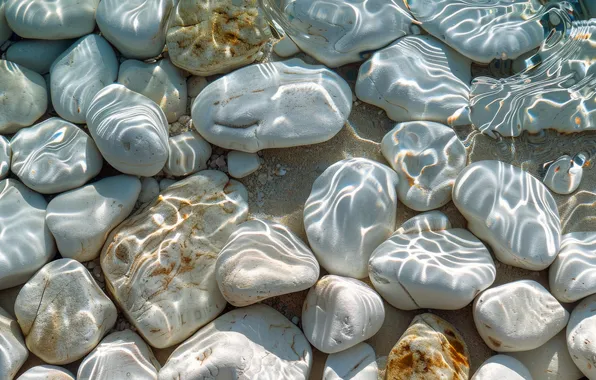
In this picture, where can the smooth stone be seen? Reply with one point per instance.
(23, 97)
(273, 105)
(26, 243)
(159, 264)
(81, 219)
(502, 367)
(5, 31)
(54, 156)
(149, 189)
(402, 80)
(572, 276)
(79, 74)
(340, 312)
(130, 130)
(505, 329)
(261, 260)
(161, 82)
(427, 158)
(13, 352)
(350, 211)
(5, 157)
(254, 342)
(355, 363)
(63, 313)
(188, 153)
(426, 221)
(486, 192)
(165, 183)
(215, 37)
(51, 19)
(581, 336)
(120, 355)
(241, 164)
(431, 348)
(195, 84)
(285, 47)
(563, 176)
(431, 269)
(37, 55)
(46, 372)
(137, 28)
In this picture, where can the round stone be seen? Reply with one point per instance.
(581, 336)
(285, 47)
(37, 55)
(149, 189)
(502, 367)
(188, 153)
(355, 363)
(195, 84)
(426, 221)
(13, 352)
(46, 372)
(563, 176)
(241, 164)
(5, 157)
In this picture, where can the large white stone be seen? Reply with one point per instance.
(79, 73)
(81, 219)
(23, 97)
(26, 243)
(13, 352)
(46, 372)
(355, 363)
(564, 175)
(5, 31)
(188, 153)
(37, 55)
(54, 156)
(241, 164)
(130, 130)
(518, 316)
(51, 19)
(351, 209)
(581, 336)
(511, 211)
(137, 28)
(5, 157)
(159, 263)
(427, 158)
(161, 82)
(403, 80)
(572, 276)
(63, 313)
(502, 367)
(120, 355)
(273, 105)
(254, 342)
(431, 269)
(426, 221)
(340, 312)
(261, 260)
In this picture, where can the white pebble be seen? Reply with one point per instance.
(37, 55)
(285, 47)
(563, 176)
(502, 367)
(427, 221)
(581, 336)
(188, 153)
(572, 276)
(5, 157)
(241, 164)
(149, 189)
(355, 363)
(13, 352)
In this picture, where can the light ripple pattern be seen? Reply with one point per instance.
(5, 157)
(426, 221)
(13, 351)
(564, 175)
(46, 372)
(188, 153)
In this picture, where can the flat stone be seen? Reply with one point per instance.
(195, 84)
(79, 74)
(5, 31)
(285, 47)
(215, 37)
(149, 189)
(159, 264)
(188, 153)
(426, 221)
(581, 336)
(504, 329)
(355, 363)
(51, 19)
(402, 80)
(54, 156)
(241, 164)
(81, 219)
(46, 372)
(5, 157)
(273, 105)
(262, 260)
(161, 82)
(502, 367)
(137, 28)
(431, 269)
(254, 342)
(340, 312)
(37, 55)
(63, 313)
(23, 97)
(120, 355)
(130, 130)
(563, 176)
(26, 243)
(431, 348)
(13, 352)
(572, 276)
(485, 192)
(350, 211)
(427, 158)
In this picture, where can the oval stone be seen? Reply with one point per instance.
(13, 352)
(572, 276)
(355, 363)
(426, 221)
(5, 157)
(564, 175)
(188, 153)
(502, 367)
(581, 336)
(46, 372)
(37, 55)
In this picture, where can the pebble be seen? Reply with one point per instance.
(63, 313)
(427, 158)
(37, 55)
(54, 156)
(5, 31)
(81, 219)
(581, 336)
(165, 183)
(426, 221)
(188, 153)
(431, 348)
(161, 82)
(195, 84)
(79, 73)
(272, 105)
(129, 129)
(355, 363)
(350, 211)
(261, 260)
(502, 367)
(168, 250)
(215, 37)
(241, 164)
(504, 329)
(13, 352)
(120, 355)
(486, 192)
(340, 312)
(46, 372)
(431, 269)
(563, 176)
(26, 243)
(149, 189)
(285, 47)
(5, 157)
(23, 97)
